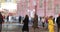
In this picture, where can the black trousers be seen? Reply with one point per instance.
(58, 28)
(25, 29)
(43, 24)
(0, 27)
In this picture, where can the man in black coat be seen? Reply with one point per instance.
(8, 18)
(58, 22)
(25, 26)
(19, 19)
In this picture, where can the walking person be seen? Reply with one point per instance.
(50, 24)
(25, 26)
(43, 22)
(19, 19)
(1, 21)
(46, 21)
(8, 18)
(35, 22)
(58, 22)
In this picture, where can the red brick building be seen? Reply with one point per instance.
(44, 7)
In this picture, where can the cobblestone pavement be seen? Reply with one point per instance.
(18, 28)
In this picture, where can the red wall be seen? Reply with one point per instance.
(46, 10)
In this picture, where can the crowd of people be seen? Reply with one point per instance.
(50, 21)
